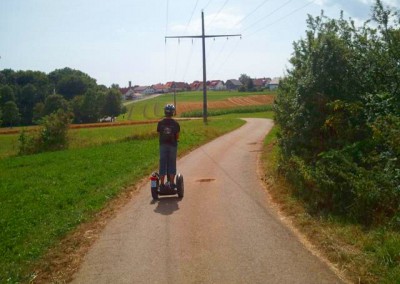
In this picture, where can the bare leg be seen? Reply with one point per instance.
(172, 179)
(162, 178)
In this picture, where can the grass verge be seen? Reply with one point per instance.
(46, 196)
(363, 255)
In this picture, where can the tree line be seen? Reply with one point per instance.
(338, 110)
(26, 97)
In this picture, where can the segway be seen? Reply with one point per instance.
(157, 189)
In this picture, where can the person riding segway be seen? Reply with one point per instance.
(168, 129)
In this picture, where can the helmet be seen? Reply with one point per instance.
(169, 110)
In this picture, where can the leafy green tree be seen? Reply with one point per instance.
(112, 103)
(334, 107)
(70, 82)
(6, 94)
(27, 98)
(244, 79)
(10, 114)
(71, 86)
(76, 106)
(91, 106)
(38, 113)
(250, 85)
(53, 103)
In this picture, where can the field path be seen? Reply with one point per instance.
(223, 231)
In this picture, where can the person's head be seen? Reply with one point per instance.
(169, 110)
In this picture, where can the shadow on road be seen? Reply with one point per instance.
(166, 205)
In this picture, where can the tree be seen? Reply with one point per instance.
(6, 94)
(27, 98)
(91, 107)
(244, 79)
(112, 104)
(38, 112)
(53, 103)
(339, 100)
(250, 85)
(10, 114)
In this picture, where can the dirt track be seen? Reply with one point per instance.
(223, 231)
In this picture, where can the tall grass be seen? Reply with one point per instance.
(365, 254)
(45, 196)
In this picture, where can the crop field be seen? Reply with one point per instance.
(190, 101)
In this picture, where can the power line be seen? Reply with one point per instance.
(207, 4)
(252, 12)
(263, 18)
(227, 57)
(216, 15)
(188, 63)
(166, 24)
(282, 18)
(191, 16)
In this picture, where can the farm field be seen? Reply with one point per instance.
(190, 101)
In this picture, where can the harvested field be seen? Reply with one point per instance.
(229, 103)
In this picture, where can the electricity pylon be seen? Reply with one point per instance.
(203, 36)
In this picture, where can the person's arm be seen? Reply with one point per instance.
(178, 128)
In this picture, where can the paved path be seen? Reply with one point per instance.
(222, 231)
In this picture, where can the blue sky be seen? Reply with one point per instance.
(124, 40)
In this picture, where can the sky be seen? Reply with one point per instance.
(119, 41)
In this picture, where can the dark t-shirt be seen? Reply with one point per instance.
(168, 129)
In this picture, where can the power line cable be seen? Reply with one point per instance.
(282, 18)
(263, 18)
(252, 12)
(191, 16)
(188, 63)
(165, 46)
(227, 58)
(218, 55)
(207, 4)
(216, 15)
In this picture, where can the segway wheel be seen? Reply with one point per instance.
(154, 193)
(180, 185)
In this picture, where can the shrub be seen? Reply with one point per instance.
(52, 135)
(338, 111)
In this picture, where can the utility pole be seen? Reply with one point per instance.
(203, 36)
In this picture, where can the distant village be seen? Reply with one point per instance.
(135, 92)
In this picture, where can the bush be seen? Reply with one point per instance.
(338, 111)
(52, 135)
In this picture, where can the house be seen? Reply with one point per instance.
(274, 83)
(160, 88)
(128, 93)
(177, 86)
(233, 84)
(216, 85)
(196, 86)
(144, 90)
(261, 83)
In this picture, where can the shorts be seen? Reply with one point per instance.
(167, 159)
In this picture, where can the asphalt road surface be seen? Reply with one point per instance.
(223, 231)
